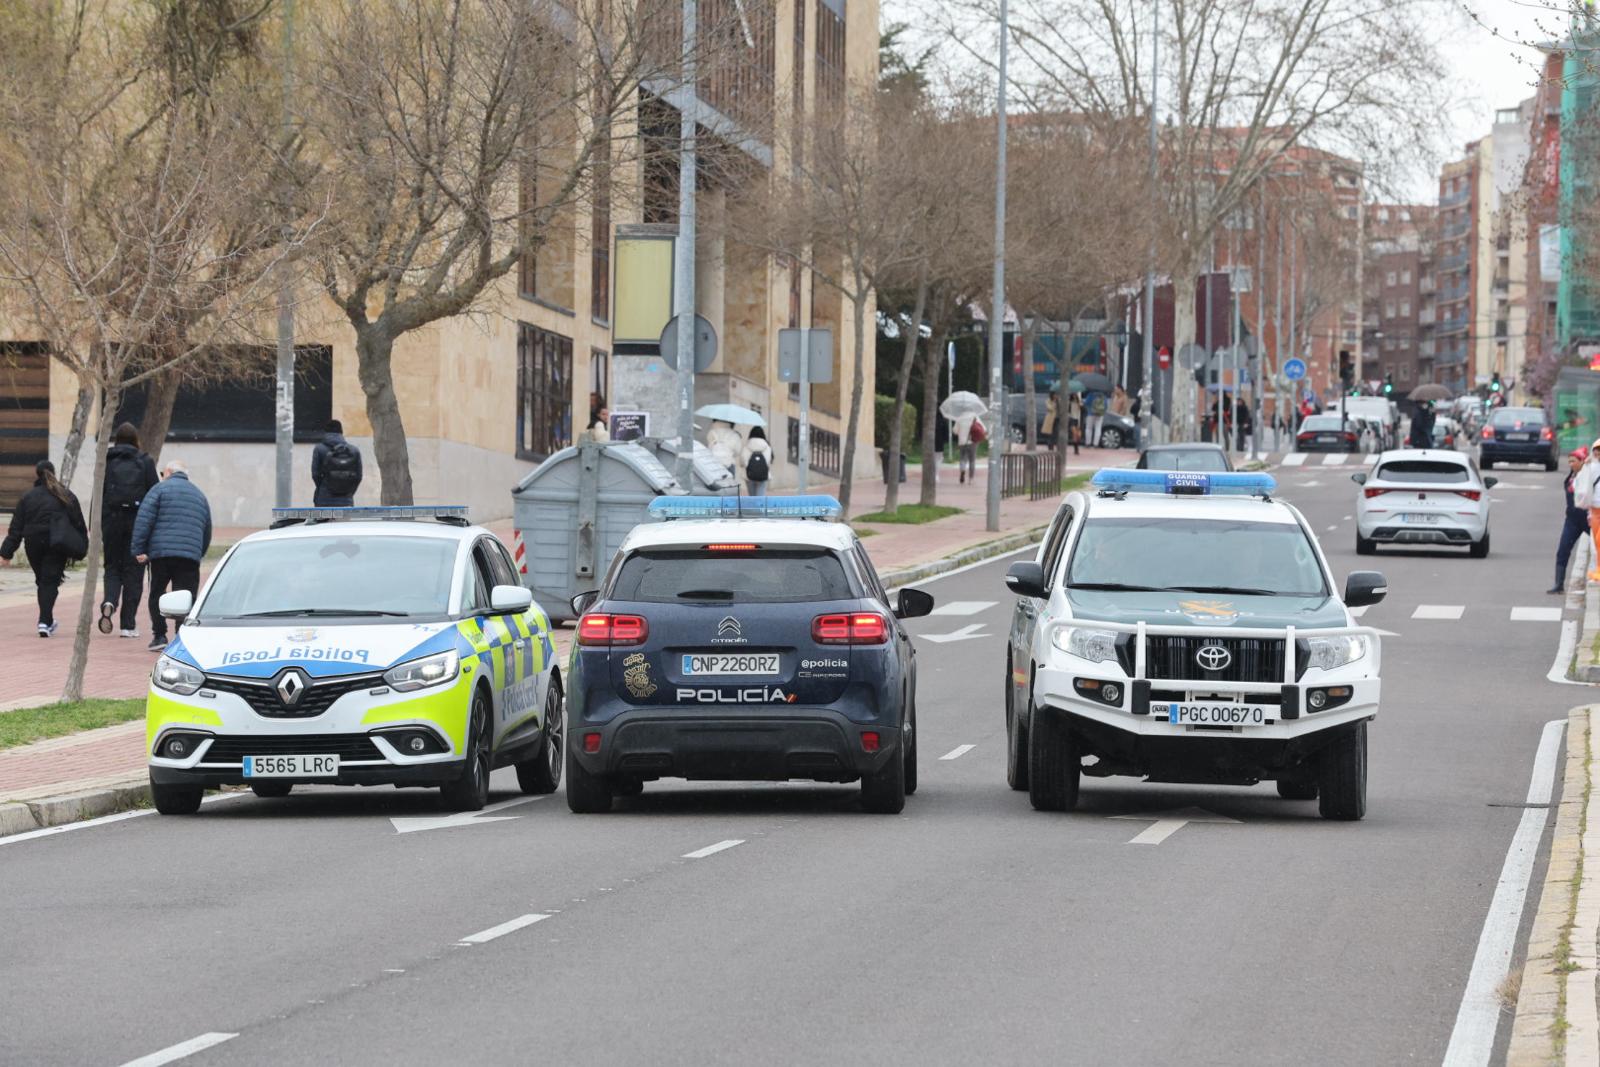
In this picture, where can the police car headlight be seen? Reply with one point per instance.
(1096, 646)
(176, 677)
(421, 673)
(1331, 652)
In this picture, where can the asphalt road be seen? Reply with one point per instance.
(968, 929)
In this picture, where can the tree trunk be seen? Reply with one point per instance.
(1182, 421)
(858, 383)
(908, 359)
(930, 415)
(73, 689)
(80, 421)
(160, 396)
(1030, 334)
(374, 349)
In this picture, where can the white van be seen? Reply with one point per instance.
(1379, 410)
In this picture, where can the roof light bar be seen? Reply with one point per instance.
(816, 506)
(455, 514)
(1184, 483)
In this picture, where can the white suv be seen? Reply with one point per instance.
(1423, 496)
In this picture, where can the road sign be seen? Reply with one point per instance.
(819, 341)
(1191, 357)
(1294, 369)
(705, 343)
(1164, 358)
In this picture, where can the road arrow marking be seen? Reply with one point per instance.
(1167, 823)
(411, 825)
(966, 633)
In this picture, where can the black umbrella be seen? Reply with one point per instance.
(1095, 383)
(1430, 391)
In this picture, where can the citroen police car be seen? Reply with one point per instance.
(743, 639)
(356, 646)
(1185, 627)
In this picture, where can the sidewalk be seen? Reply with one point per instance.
(111, 759)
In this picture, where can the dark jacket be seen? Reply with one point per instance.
(36, 509)
(174, 521)
(319, 463)
(120, 455)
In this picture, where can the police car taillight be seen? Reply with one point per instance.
(598, 628)
(855, 628)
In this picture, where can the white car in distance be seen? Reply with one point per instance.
(1423, 496)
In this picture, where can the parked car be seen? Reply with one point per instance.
(1325, 433)
(1116, 431)
(1517, 435)
(1187, 457)
(1446, 432)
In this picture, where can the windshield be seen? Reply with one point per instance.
(773, 576)
(332, 576)
(1423, 471)
(1320, 422)
(1186, 459)
(1516, 416)
(1199, 555)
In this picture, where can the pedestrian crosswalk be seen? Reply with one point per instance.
(1454, 613)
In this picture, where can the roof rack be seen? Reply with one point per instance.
(1117, 482)
(814, 506)
(449, 514)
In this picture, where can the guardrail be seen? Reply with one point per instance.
(1038, 474)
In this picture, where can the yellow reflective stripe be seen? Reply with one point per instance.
(470, 629)
(446, 709)
(161, 711)
(502, 630)
(522, 625)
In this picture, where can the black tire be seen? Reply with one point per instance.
(627, 786)
(1480, 547)
(470, 792)
(1016, 739)
(911, 751)
(1053, 763)
(1110, 437)
(1486, 464)
(884, 792)
(587, 794)
(1550, 464)
(542, 774)
(1366, 546)
(1342, 776)
(271, 790)
(1301, 785)
(176, 799)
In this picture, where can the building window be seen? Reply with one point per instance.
(1388, 309)
(600, 371)
(1389, 279)
(1405, 215)
(527, 198)
(830, 58)
(544, 392)
(1405, 372)
(600, 235)
(1405, 309)
(1383, 214)
(240, 405)
(1405, 276)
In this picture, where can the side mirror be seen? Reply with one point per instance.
(510, 599)
(1026, 579)
(1359, 479)
(176, 604)
(584, 601)
(1363, 588)
(912, 604)
(1490, 482)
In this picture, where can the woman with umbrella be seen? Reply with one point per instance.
(1422, 422)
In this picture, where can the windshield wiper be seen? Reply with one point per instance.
(705, 594)
(285, 613)
(1120, 587)
(1237, 590)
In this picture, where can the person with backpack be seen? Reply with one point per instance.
(757, 458)
(130, 474)
(49, 523)
(171, 534)
(335, 469)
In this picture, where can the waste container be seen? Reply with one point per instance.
(572, 512)
(710, 476)
(883, 464)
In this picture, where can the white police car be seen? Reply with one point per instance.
(1186, 628)
(356, 646)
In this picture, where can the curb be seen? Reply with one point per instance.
(1000, 546)
(20, 817)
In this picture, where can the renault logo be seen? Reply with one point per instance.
(729, 627)
(1213, 657)
(291, 686)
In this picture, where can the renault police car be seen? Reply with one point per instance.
(743, 639)
(356, 646)
(1185, 627)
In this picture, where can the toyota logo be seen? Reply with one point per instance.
(1213, 657)
(291, 686)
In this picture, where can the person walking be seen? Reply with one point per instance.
(1097, 418)
(1244, 422)
(1075, 420)
(49, 523)
(1578, 488)
(756, 456)
(1422, 426)
(1052, 418)
(172, 534)
(335, 469)
(967, 447)
(725, 445)
(1135, 409)
(130, 474)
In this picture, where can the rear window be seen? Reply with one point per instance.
(681, 576)
(1512, 416)
(1320, 422)
(1422, 470)
(1188, 459)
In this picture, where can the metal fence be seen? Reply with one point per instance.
(824, 448)
(1038, 474)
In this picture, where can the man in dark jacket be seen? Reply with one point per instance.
(1576, 522)
(44, 521)
(172, 533)
(335, 469)
(130, 474)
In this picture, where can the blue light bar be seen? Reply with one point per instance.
(1184, 483)
(815, 506)
(442, 512)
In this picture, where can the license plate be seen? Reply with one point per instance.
(1326, 439)
(704, 663)
(1519, 437)
(1419, 517)
(291, 766)
(1217, 714)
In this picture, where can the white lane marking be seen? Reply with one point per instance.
(508, 927)
(1535, 614)
(1309, 482)
(1334, 459)
(1558, 668)
(1168, 823)
(411, 824)
(1356, 613)
(712, 850)
(1347, 518)
(1438, 611)
(963, 607)
(50, 831)
(1472, 1040)
(179, 1051)
(966, 633)
(958, 751)
(1332, 528)
(1293, 459)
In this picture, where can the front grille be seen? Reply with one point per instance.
(319, 695)
(352, 747)
(1254, 659)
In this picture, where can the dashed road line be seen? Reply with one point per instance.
(509, 927)
(1334, 459)
(1332, 528)
(963, 607)
(1540, 614)
(1293, 459)
(1438, 611)
(173, 1053)
(958, 752)
(712, 850)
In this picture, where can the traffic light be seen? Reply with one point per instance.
(1347, 370)
(1494, 386)
(1388, 383)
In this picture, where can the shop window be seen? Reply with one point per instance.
(544, 392)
